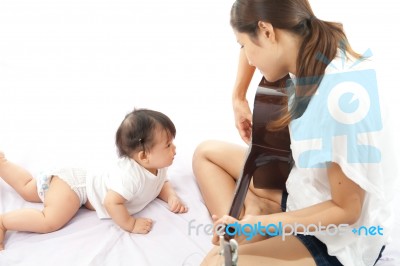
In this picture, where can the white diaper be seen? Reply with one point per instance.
(43, 184)
(74, 177)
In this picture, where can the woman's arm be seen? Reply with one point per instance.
(115, 206)
(243, 77)
(241, 109)
(344, 207)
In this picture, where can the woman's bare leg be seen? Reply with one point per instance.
(217, 166)
(60, 205)
(19, 179)
(272, 251)
(263, 201)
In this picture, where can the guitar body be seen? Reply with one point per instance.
(269, 172)
(269, 158)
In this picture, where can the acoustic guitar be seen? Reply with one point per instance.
(268, 158)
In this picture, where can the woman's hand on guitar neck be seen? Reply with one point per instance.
(218, 222)
(240, 237)
(243, 118)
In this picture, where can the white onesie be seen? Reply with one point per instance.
(129, 179)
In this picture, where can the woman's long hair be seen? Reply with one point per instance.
(321, 41)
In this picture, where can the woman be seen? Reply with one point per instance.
(336, 181)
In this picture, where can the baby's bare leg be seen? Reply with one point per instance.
(60, 205)
(19, 179)
(2, 234)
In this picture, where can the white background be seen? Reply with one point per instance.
(71, 69)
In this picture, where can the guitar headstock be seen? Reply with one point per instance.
(229, 251)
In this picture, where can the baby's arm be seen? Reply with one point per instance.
(115, 206)
(168, 195)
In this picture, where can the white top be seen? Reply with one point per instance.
(343, 124)
(127, 178)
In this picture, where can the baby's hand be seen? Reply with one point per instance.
(142, 226)
(176, 205)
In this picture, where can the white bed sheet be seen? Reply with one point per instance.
(86, 240)
(71, 69)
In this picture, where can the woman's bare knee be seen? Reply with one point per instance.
(201, 152)
(204, 148)
(227, 155)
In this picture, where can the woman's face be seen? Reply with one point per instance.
(263, 52)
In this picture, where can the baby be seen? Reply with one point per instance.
(145, 145)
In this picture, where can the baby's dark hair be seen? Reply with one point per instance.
(138, 128)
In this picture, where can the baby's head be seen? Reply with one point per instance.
(140, 130)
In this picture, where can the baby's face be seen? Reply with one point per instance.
(163, 152)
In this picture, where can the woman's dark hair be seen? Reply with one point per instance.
(137, 130)
(321, 40)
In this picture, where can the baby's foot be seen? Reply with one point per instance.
(2, 233)
(142, 226)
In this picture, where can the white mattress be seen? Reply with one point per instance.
(71, 69)
(86, 240)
